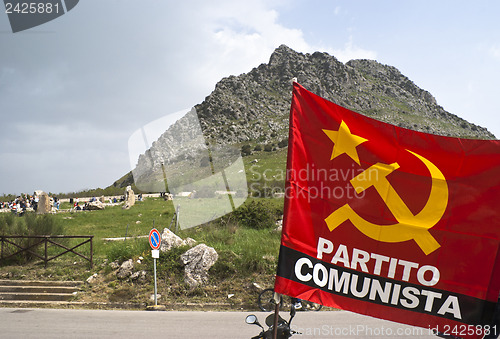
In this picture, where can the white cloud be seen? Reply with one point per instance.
(242, 35)
(83, 89)
(351, 52)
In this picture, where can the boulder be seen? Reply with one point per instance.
(92, 279)
(44, 205)
(170, 240)
(125, 269)
(198, 261)
(95, 206)
(129, 198)
(139, 276)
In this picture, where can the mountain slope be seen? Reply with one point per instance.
(252, 108)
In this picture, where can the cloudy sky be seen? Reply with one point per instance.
(72, 91)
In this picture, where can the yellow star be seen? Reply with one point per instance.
(345, 142)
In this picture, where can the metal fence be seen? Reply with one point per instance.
(44, 240)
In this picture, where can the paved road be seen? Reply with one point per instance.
(73, 324)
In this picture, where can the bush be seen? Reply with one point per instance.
(246, 150)
(257, 215)
(283, 143)
(10, 224)
(42, 225)
(29, 224)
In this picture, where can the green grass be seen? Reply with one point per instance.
(268, 174)
(245, 241)
(115, 222)
(112, 222)
(242, 250)
(225, 234)
(237, 240)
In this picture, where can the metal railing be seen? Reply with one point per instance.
(45, 240)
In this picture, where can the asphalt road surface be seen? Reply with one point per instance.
(53, 323)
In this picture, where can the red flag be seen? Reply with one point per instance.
(390, 222)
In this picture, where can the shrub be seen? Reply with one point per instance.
(246, 150)
(29, 224)
(283, 143)
(256, 215)
(10, 225)
(44, 224)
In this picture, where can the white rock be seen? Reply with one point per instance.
(125, 269)
(198, 261)
(92, 278)
(170, 240)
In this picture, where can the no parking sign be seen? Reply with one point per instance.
(155, 243)
(154, 240)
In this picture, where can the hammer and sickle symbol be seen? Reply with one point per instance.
(409, 226)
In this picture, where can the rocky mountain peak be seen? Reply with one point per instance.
(235, 111)
(253, 108)
(281, 54)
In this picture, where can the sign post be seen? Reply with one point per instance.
(155, 243)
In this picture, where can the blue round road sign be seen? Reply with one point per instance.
(154, 239)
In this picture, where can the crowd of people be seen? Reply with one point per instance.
(25, 202)
(87, 205)
(21, 203)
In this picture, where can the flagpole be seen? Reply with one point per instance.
(277, 299)
(277, 296)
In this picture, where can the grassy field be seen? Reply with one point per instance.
(114, 221)
(246, 241)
